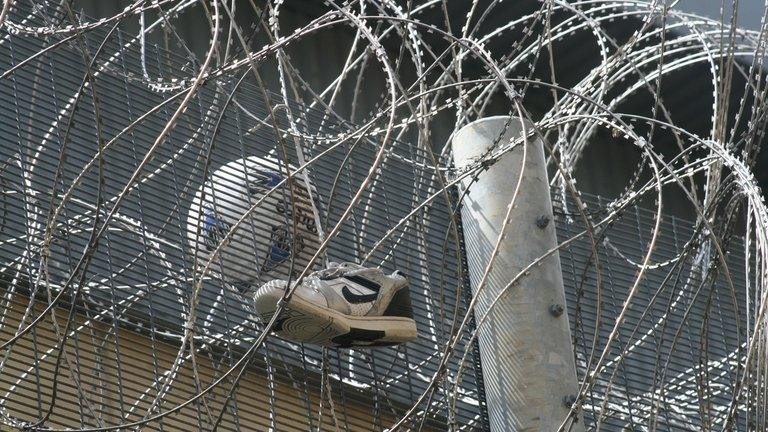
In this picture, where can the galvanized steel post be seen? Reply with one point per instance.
(525, 343)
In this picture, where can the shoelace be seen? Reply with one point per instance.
(336, 270)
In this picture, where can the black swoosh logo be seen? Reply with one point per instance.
(371, 285)
(357, 298)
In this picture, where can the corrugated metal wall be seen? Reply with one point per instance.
(683, 336)
(139, 278)
(129, 309)
(607, 163)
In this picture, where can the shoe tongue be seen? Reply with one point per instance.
(336, 270)
(333, 271)
(349, 266)
(356, 271)
(369, 273)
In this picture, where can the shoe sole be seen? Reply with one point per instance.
(306, 322)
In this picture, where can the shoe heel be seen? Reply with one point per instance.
(400, 305)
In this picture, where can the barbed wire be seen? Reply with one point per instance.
(408, 78)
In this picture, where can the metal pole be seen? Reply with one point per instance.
(525, 343)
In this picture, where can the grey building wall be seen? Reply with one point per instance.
(608, 163)
(750, 12)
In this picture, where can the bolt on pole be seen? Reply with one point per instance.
(525, 343)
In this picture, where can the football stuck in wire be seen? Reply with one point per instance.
(344, 305)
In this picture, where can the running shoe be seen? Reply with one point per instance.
(345, 305)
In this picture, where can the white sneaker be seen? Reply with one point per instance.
(346, 305)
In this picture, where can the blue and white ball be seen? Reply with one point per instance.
(262, 247)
